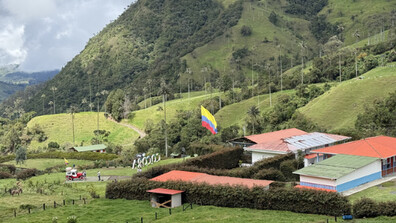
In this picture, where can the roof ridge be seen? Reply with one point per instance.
(373, 148)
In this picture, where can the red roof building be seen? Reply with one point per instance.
(382, 147)
(286, 141)
(177, 175)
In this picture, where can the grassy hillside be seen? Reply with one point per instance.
(8, 89)
(156, 114)
(58, 128)
(236, 113)
(42, 164)
(339, 107)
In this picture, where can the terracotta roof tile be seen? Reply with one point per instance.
(176, 175)
(271, 136)
(314, 188)
(165, 191)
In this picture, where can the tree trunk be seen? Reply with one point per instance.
(166, 132)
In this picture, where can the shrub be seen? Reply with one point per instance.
(270, 174)
(5, 175)
(7, 168)
(72, 219)
(27, 206)
(246, 30)
(287, 167)
(387, 208)
(27, 173)
(365, 207)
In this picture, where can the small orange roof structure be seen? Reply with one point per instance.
(277, 135)
(378, 147)
(314, 188)
(165, 191)
(195, 177)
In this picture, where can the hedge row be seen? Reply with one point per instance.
(68, 155)
(215, 163)
(288, 199)
(367, 208)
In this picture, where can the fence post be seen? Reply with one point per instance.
(141, 219)
(84, 200)
(73, 202)
(64, 203)
(335, 218)
(54, 204)
(170, 211)
(191, 205)
(155, 215)
(44, 206)
(80, 197)
(29, 210)
(14, 213)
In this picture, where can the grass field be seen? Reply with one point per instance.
(58, 128)
(236, 113)
(156, 114)
(382, 192)
(338, 108)
(42, 164)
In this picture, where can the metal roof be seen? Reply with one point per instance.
(379, 147)
(336, 166)
(90, 148)
(165, 191)
(301, 142)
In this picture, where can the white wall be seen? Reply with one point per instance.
(317, 180)
(256, 156)
(372, 168)
(176, 200)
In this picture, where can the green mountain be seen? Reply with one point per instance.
(8, 89)
(201, 41)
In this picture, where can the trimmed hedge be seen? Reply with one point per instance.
(7, 168)
(27, 173)
(296, 200)
(5, 175)
(368, 208)
(68, 155)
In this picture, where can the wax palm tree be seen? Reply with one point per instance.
(72, 110)
(53, 89)
(83, 102)
(253, 113)
(43, 97)
(164, 91)
(51, 103)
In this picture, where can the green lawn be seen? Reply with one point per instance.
(42, 164)
(58, 128)
(338, 108)
(383, 192)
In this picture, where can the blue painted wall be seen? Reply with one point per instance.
(357, 182)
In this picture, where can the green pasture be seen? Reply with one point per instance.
(42, 164)
(58, 128)
(338, 108)
(235, 114)
(156, 114)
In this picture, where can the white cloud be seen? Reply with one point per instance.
(46, 34)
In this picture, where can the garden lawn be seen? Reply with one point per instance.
(58, 128)
(42, 164)
(382, 192)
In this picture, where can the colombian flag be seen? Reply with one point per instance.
(208, 120)
(66, 162)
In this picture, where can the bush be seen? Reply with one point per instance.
(365, 207)
(287, 167)
(246, 30)
(5, 175)
(7, 168)
(27, 173)
(27, 206)
(270, 174)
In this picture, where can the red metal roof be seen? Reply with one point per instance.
(165, 191)
(277, 135)
(314, 188)
(379, 147)
(310, 156)
(175, 175)
(276, 145)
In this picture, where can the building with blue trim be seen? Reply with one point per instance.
(340, 173)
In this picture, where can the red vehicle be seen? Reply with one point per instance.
(72, 174)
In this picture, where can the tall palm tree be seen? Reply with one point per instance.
(53, 89)
(97, 98)
(164, 91)
(303, 46)
(253, 112)
(268, 68)
(104, 93)
(149, 82)
(43, 97)
(83, 102)
(51, 103)
(145, 93)
(72, 110)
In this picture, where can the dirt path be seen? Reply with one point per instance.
(142, 134)
(103, 178)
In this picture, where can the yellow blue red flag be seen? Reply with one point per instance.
(66, 162)
(208, 120)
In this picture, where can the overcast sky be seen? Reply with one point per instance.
(46, 34)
